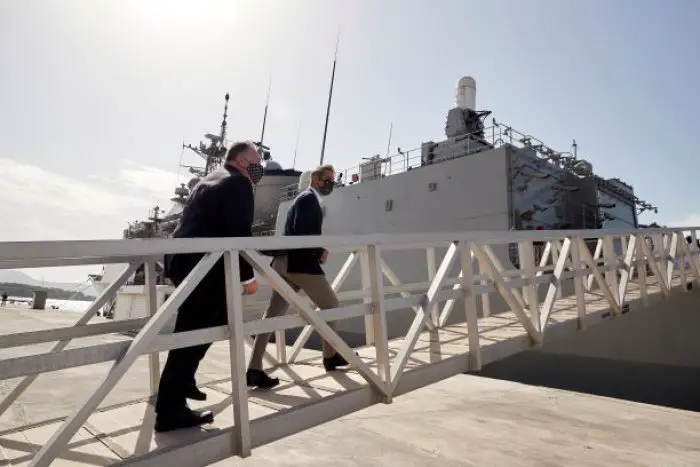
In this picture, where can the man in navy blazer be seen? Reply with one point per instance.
(221, 205)
(301, 268)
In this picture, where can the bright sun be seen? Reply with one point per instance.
(189, 11)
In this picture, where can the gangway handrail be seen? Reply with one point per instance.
(74, 252)
(481, 259)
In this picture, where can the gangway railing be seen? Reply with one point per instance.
(460, 266)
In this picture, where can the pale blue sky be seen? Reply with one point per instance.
(97, 96)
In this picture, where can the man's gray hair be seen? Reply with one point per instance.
(319, 171)
(239, 148)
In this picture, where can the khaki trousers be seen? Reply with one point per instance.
(316, 288)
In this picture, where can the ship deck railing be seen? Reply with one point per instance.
(469, 265)
(491, 137)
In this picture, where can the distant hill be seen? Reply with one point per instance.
(27, 291)
(13, 277)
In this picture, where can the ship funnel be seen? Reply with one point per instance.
(465, 93)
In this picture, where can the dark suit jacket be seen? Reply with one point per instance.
(305, 217)
(221, 205)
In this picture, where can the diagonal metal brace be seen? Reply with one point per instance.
(87, 316)
(423, 315)
(139, 345)
(314, 319)
(338, 282)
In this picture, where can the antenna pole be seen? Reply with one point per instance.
(296, 147)
(330, 98)
(267, 103)
(223, 122)
(388, 145)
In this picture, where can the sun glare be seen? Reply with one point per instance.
(177, 12)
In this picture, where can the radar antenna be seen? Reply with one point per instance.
(213, 153)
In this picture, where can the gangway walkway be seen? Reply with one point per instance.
(565, 282)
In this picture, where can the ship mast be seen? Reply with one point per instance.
(215, 156)
(267, 104)
(330, 98)
(223, 121)
(214, 153)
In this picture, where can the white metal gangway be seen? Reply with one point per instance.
(579, 279)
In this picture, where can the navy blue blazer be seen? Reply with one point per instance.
(221, 205)
(305, 217)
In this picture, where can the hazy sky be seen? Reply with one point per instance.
(96, 97)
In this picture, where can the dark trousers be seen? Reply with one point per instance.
(205, 307)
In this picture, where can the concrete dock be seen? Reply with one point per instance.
(473, 421)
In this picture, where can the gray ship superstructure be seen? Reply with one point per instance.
(161, 223)
(480, 178)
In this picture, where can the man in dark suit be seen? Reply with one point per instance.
(221, 205)
(302, 270)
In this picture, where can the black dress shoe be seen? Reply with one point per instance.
(331, 363)
(184, 418)
(260, 379)
(196, 394)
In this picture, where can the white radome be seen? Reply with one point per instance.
(465, 93)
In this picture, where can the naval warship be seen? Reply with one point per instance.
(160, 223)
(485, 175)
